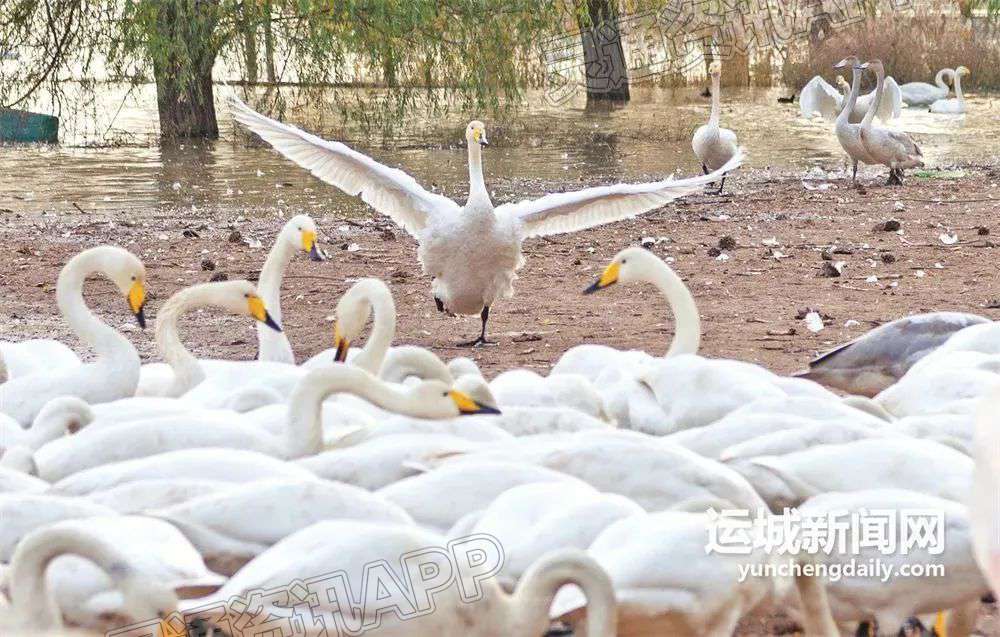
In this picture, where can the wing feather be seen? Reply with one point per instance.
(390, 191)
(572, 211)
(818, 96)
(891, 105)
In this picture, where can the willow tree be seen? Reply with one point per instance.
(470, 51)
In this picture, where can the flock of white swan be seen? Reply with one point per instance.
(131, 492)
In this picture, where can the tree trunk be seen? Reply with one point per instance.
(272, 75)
(603, 55)
(250, 49)
(183, 69)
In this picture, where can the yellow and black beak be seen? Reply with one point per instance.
(255, 305)
(341, 344)
(310, 245)
(608, 277)
(137, 302)
(467, 406)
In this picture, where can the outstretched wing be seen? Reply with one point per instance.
(572, 211)
(818, 96)
(388, 190)
(892, 100)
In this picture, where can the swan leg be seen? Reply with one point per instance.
(481, 340)
(894, 178)
(439, 303)
(704, 169)
(854, 177)
(721, 184)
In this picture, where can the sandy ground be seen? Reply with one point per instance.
(754, 259)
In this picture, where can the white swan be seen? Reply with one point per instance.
(924, 94)
(24, 512)
(472, 252)
(984, 506)
(232, 527)
(956, 105)
(182, 370)
(714, 146)
(298, 233)
(115, 372)
(60, 416)
(848, 134)
(142, 495)
(33, 607)
(877, 359)
(35, 355)
(14, 480)
(351, 548)
(368, 297)
(894, 149)
(819, 97)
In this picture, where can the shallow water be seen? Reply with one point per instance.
(649, 137)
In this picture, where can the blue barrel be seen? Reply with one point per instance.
(28, 128)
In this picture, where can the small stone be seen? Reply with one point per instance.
(219, 276)
(889, 225)
(190, 234)
(714, 251)
(207, 265)
(727, 243)
(888, 257)
(830, 269)
(235, 237)
(982, 231)
(388, 235)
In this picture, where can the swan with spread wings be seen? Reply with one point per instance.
(473, 251)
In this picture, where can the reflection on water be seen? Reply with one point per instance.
(649, 137)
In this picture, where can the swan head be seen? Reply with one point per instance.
(628, 265)
(439, 400)
(475, 133)
(300, 233)
(850, 62)
(353, 311)
(70, 412)
(715, 68)
(962, 70)
(128, 273)
(241, 298)
(874, 65)
(144, 599)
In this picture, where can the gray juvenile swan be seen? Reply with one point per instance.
(471, 251)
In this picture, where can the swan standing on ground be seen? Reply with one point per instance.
(924, 94)
(115, 372)
(714, 146)
(891, 148)
(874, 361)
(819, 97)
(956, 105)
(299, 233)
(472, 251)
(848, 134)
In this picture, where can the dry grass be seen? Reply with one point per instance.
(913, 48)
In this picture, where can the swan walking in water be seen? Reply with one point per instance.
(848, 134)
(894, 149)
(471, 251)
(115, 372)
(818, 96)
(924, 94)
(956, 105)
(715, 146)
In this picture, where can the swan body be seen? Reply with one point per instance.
(35, 355)
(351, 548)
(928, 390)
(818, 96)
(879, 358)
(16, 481)
(232, 527)
(524, 388)
(984, 507)
(24, 512)
(115, 372)
(924, 94)
(893, 149)
(848, 134)
(952, 430)
(714, 146)
(711, 440)
(956, 105)
(58, 417)
(140, 496)
(473, 251)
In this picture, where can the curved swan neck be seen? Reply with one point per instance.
(816, 614)
(98, 335)
(713, 119)
(939, 79)
(304, 432)
(852, 97)
(870, 115)
(958, 89)
(187, 370)
(28, 593)
(272, 345)
(372, 355)
(687, 323)
(410, 360)
(477, 186)
(533, 597)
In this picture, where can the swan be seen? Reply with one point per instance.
(894, 149)
(24, 512)
(33, 607)
(528, 526)
(139, 496)
(524, 388)
(984, 507)
(351, 548)
(819, 97)
(924, 94)
(115, 372)
(927, 390)
(877, 359)
(665, 581)
(14, 480)
(298, 233)
(184, 371)
(35, 355)
(848, 134)
(60, 416)
(956, 105)
(230, 528)
(471, 251)
(368, 297)
(953, 430)
(890, 602)
(301, 436)
(714, 146)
